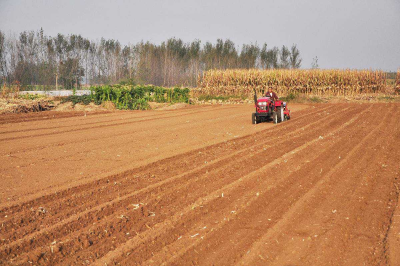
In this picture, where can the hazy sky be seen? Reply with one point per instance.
(343, 34)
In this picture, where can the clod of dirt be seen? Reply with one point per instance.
(35, 256)
(135, 206)
(55, 248)
(123, 217)
(145, 212)
(41, 211)
(85, 242)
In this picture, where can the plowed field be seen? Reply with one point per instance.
(202, 186)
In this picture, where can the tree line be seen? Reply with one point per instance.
(32, 58)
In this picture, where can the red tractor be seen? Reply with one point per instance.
(269, 110)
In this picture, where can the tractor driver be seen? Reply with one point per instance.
(272, 95)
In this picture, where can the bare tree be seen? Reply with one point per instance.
(314, 64)
(34, 59)
(295, 60)
(284, 57)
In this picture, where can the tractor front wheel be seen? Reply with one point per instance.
(254, 119)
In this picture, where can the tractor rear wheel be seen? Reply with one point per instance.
(275, 117)
(281, 116)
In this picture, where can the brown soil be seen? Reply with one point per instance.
(202, 186)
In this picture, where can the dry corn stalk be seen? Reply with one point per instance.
(240, 82)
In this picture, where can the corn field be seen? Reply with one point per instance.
(239, 82)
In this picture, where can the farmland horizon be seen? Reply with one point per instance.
(356, 35)
(237, 46)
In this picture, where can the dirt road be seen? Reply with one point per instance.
(202, 186)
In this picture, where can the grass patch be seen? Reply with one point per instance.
(222, 98)
(290, 97)
(387, 98)
(213, 97)
(315, 99)
(31, 96)
(301, 98)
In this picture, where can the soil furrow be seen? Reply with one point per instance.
(102, 126)
(118, 190)
(217, 193)
(110, 117)
(190, 242)
(318, 189)
(81, 221)
(301, 202)
(278, 133)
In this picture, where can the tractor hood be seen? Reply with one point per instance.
(263, 104)
(264, 99)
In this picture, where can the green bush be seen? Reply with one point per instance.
(136, 97)
(84, 99)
